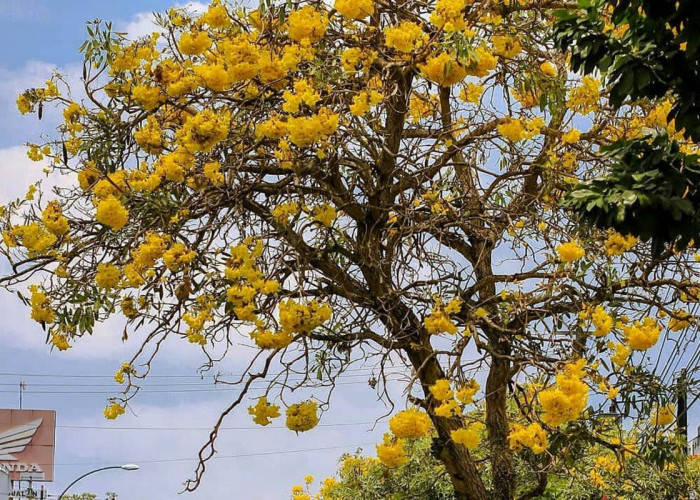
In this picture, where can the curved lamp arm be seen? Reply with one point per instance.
(124, 467)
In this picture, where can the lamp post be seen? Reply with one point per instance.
(123, 467)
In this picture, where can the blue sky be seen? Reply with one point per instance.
(39, 36)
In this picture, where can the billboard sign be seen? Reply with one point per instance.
(27, 442)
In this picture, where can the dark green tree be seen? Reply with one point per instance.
(647, 50)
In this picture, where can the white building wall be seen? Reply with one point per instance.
(4, 485)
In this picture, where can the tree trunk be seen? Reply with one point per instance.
(503, 482)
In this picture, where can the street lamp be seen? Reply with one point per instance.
(123, 467)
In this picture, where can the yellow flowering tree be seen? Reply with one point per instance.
(357, 184)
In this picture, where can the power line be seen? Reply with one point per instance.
(180, 391)
(86, 375)
(219, 457)
(190, 384)
(103, 427)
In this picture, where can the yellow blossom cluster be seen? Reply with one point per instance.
(297, 317)
(108, 276)
(471, 93)
(602, 321)
(112, 213)
(410, 424)
(532, 436)
(124, 369)
(263, 411)
(405, 37)
(570, 251)
(568, 398)
(302, 416)
(34, 237)
(60, 341)
(42, 312)
(438, 321)
(469, 436)
(391, 452)
(586, 97)
(680, 320)
(617, 244)
(449, 14)
(355, 9)
(621, 353)
(54, 220)
(113, 411)
(642, 335)
(307, 25)
(664, 415)
(516, 129)
(247, 281)
(449, 406)
(443, 69)
(506, 46)
(178, 256)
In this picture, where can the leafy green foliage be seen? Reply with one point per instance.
(651, 192)
(653, 54)
(658, 53)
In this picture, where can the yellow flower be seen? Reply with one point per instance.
(204, 130)
(391, 452)
(571, 136)
(113, 411)
(108, 276)
(616, 244)
(664, 415)
(216, 16)
(298, 317)
(586, 97)
(622, 352)
(410, 424)
(112, 213)
(441, 390)
(24, 105)
(570, 251)
(568, 398)
(60, 341)
(443, 69)
(513, 129)
(533, 436)
(302, 416)
(602, 321)
(263, 411)
(506, 46)
(548, 69)
(448, 15)
(355, 9)
(325, 214)
(472, 93)
(307, 25)
(54, 220)
(193, 44)
(466, 393)
(642, 334)
(33, 237)
(468, 437)
(406, 37)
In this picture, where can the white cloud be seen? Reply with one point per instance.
(143, 23)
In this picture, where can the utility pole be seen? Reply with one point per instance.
(22, 387)
(682, 392)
